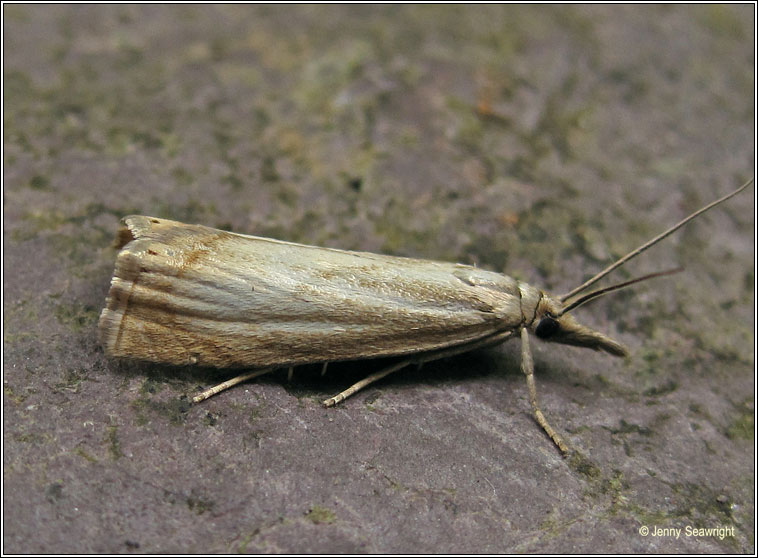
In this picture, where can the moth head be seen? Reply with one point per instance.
(552, 323)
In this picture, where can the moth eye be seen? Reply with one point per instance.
(547, 327)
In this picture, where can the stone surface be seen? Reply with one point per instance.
(540, 141)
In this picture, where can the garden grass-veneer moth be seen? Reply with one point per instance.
(188, 294)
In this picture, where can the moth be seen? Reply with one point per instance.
(192, 295)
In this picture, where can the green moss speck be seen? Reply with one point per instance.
(30, 438)
(71, 380)
(78, 316)
(89, 457)
(234, 181)
(319, 515)
(140, 407)
(627, 428)
(210, 419)
(151, 386)
(582, 465)
(656, 391)
(242, 547)
(39, 182)
(54, 492)
(13, 396)
(722, 21)
(199, 505)
(743, 427)
(175, 410)
(114, 445)
(182, 176)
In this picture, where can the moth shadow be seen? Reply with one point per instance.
(155, 376)
(307, 381)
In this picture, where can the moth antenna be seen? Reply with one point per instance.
(650, 243)
(605, 290)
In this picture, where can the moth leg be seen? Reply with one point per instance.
(332, 401)
(230, 383)
(527, 367)
(419, 361)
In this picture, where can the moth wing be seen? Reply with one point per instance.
(188, 294)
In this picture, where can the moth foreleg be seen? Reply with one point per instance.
(527, 367)
(230, 383)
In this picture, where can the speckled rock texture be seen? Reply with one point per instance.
(541, 141)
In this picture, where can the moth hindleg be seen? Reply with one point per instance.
(366, 381)
(419, 360)
(230, 383)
